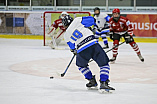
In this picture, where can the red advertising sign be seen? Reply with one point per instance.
(145, 25)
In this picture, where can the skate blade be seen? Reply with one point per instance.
(112, 62)
(105, 47)
(105, 91)
(142, 60)
(92, 88)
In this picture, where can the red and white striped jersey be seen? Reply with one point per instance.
(122, 26)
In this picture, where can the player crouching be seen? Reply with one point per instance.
(57, 36)
(77, 32)
(120, 27)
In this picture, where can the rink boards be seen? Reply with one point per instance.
(137, 39)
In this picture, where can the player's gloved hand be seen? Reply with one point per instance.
(98, 30)
(128, 39)
(111, 35)
(74, 51)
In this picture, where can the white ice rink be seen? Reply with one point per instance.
(26, 65)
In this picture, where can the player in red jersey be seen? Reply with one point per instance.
(120, 27)
(56, 39)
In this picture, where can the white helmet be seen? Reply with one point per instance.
(64, 14)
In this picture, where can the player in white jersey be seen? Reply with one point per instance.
(82, 42)
(101, 28)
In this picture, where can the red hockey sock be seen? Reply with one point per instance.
(115, 50)
(135, 47)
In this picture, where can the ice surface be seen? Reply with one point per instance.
(26, 65)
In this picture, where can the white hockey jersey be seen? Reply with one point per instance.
(80, 35)
(101, 19)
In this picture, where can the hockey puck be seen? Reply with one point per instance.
(51, 77)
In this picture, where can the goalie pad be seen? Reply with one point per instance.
(57, 38)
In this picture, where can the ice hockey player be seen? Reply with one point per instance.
(120, 27)
(82, 42)
(56, 39)
(102, 27)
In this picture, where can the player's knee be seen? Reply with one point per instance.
(132, 43)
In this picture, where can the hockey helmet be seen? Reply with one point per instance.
(66, 20)
(116, 10)
(64, 13)
(96, 8)
(96, 11)
(116, 17)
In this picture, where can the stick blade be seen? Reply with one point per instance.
(62, 75)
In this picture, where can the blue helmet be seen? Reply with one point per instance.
(66, 20)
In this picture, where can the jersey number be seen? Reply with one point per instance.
(76, 35)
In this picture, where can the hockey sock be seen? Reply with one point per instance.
(86, 72)
(105, 40)
(135, 47)
(103, 36)
(104, 72)
(115, 50)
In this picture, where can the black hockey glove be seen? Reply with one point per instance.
(111, 35)
(128, 39)
(74, 51)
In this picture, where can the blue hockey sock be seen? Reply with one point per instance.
(105, 40)
(86, 72)
(104, 72)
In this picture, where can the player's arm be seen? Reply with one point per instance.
(107, 18)
(52, 28)
(70, 41)
(106, 29)
(129, 35)
(89, 21)
(130, 28)
(110, 29)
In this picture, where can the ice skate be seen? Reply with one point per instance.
(92, 85)
(51, 45)
(140, 57)
(105, 88)
(112, 60)
(106, 46)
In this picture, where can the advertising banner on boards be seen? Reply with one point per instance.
(145, 25)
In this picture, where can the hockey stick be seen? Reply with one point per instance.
(62, 75)
(110, 49)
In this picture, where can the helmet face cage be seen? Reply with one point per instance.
(67, 20)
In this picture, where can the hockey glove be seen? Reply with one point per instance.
(72, 47)
(74, 51)
(128, 39)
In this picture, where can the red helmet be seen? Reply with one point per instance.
(116, 11)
